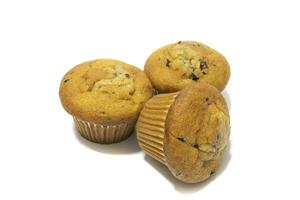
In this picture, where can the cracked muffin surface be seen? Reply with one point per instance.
(172, 67)
(105, 90)
(197, 132)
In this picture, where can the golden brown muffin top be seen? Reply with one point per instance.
(197, 132)
(105, 90)
(172, 67)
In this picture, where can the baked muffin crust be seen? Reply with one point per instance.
(105, 90)
(197, 132)
(172, 67)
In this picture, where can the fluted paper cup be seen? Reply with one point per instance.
(103, 133)
(150, 127)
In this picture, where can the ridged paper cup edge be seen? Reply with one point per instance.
(150, 127)
(103, 133)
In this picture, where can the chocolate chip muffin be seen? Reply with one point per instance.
(172, 67)
(187, 131)
(105, 97)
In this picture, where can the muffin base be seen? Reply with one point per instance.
(150, 127)
(104, 134)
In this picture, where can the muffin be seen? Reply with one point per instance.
(187, 131)
(105, 97)
(172, 67)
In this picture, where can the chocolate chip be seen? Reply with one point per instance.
(180, 138)
(203, 65)
(204, 73)
(168, 63)
(131, 93)
(206, 99)
(179, 42)
(127, 75)
(194, 77)
(66, 80)
(196, 146)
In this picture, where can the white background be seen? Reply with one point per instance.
(41, 154)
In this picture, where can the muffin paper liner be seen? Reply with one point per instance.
(150, 127)
(104, 134)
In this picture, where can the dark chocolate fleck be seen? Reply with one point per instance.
(180, 138)
(194, 77)
(196, 146)
(217, 141)
(127, 75)
(206, 99)
(131, 93)
(203, 65)
(168, 63)
(66, 80)
(179, 42)
(204, 73)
